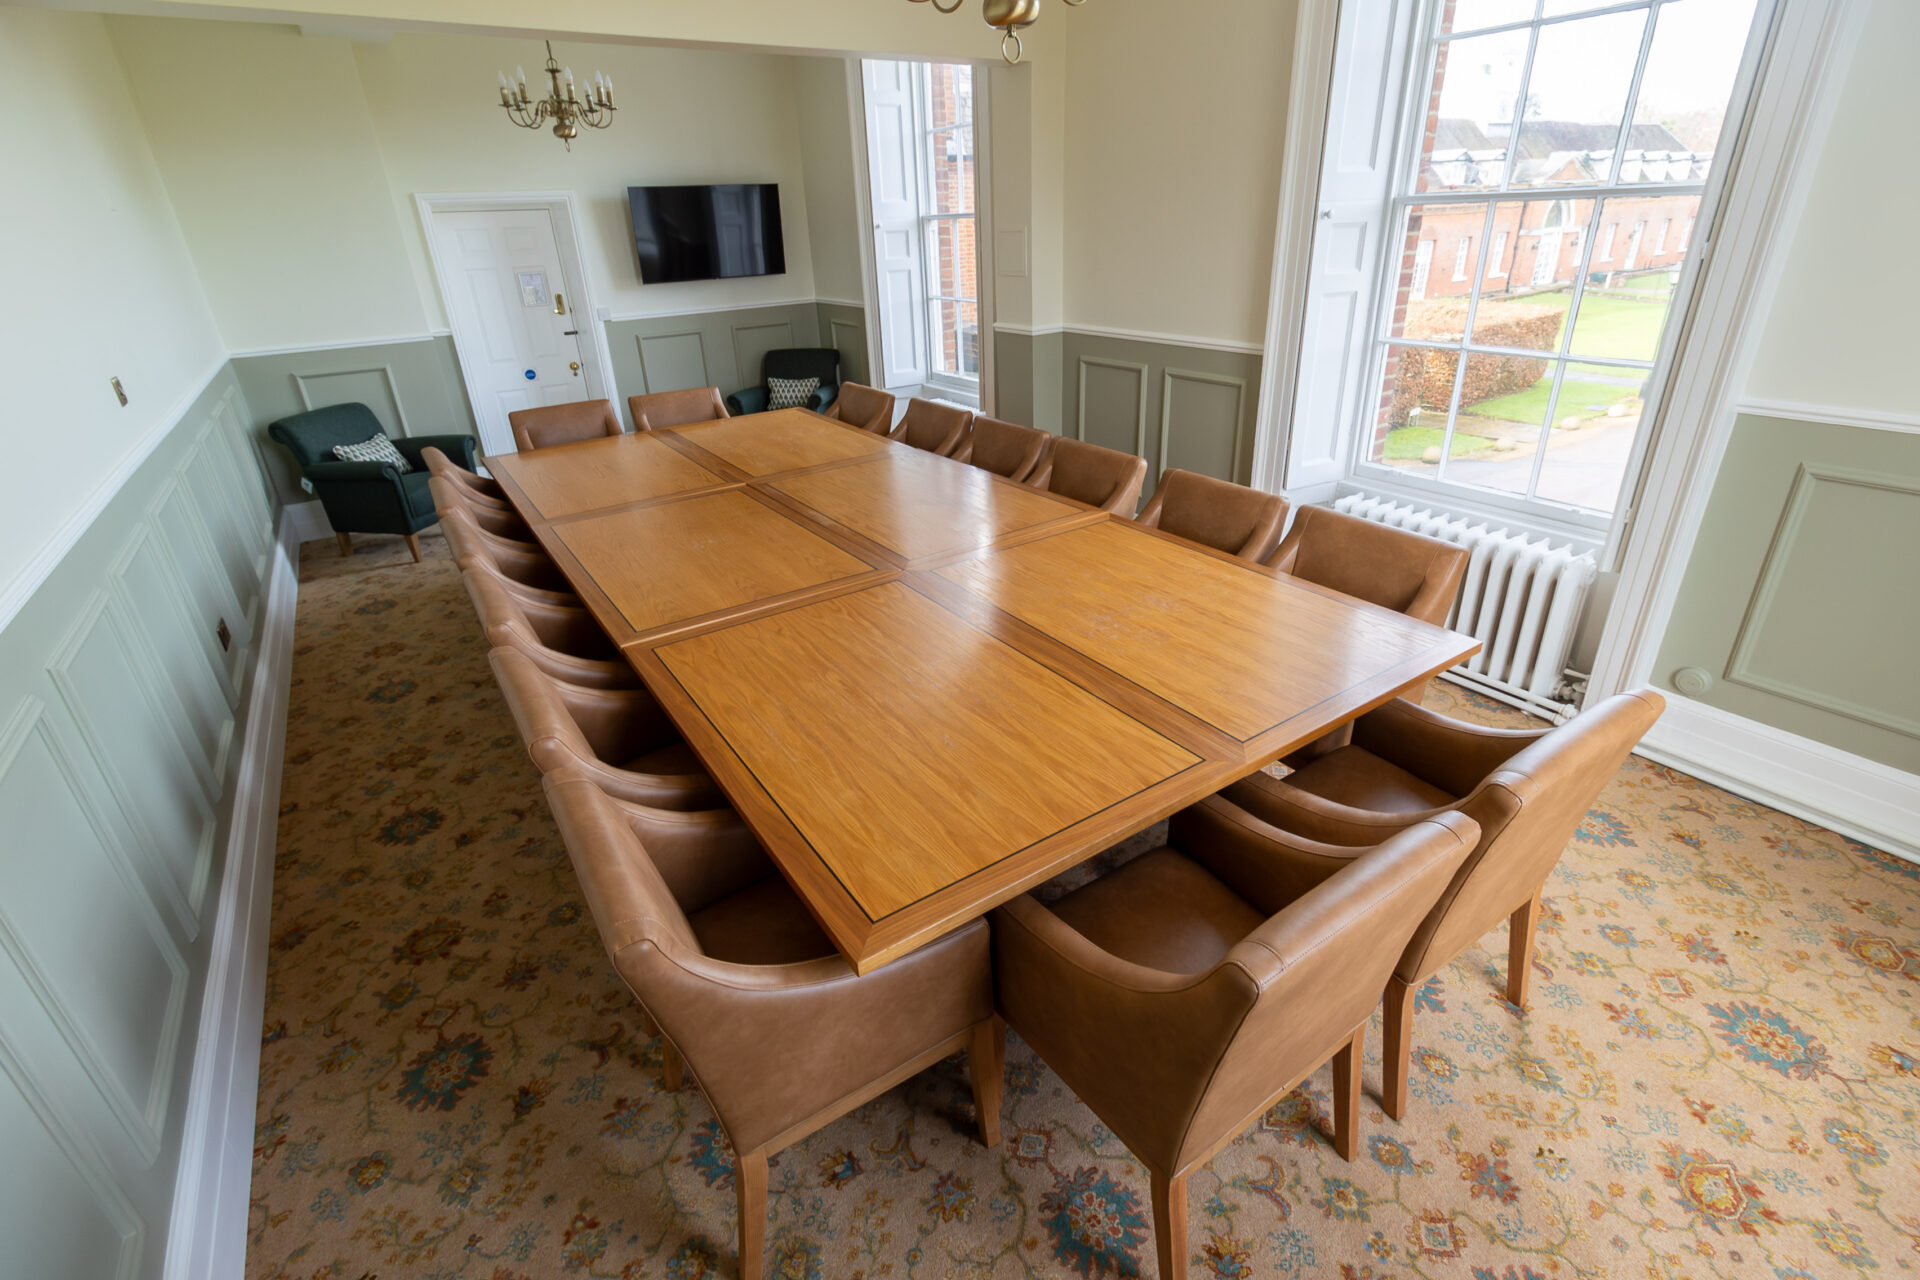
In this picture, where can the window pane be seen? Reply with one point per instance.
(1594, 427)
(952, 158)
(1630, 292)
(950, 86)
(952, 243)
(1469, 15)
(1503, 402)
(1416, 392)
(1529, 284)
(1476, 82)
(1576, 99)
(1440, 256)
(1682, 106)
(956, 338)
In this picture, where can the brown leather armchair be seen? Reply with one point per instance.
(676, 408)
(449, 495)
(522, 563)
(1527, 789)
(569, 725)
(1217, 513)
(863, 407)
(480, 489)
(1396, 569)
(936, 428)
(563, 641)
(549, 425)
(780, 1032)
(1100, 477)
(1004, 448)
(1184, 993)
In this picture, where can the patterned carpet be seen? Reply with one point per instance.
(1719, 1076)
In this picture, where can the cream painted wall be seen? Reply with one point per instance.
(286, 203)
(1840, 330)
(103, 284)
(826, 152)
(1173, 140)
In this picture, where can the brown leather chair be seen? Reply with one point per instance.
(1396, 569)
(1217, 513)
(863, 407)
(936, 428)
(524, 564)
(1004, 448)
(1186, 992)
(481, 490)
(565, 642)
(781, 1034)
(1100, 477)
(1528, 789)
(553, 424)
(676, 408)
(450, 495)
(569, 725)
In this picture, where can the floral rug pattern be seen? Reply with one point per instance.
(1719, 1074)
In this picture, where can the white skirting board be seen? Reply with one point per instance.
(207, 1236)
(1873, 803)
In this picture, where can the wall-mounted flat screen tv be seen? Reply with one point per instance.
(707, 233)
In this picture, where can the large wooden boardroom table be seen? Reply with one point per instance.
(928, 689)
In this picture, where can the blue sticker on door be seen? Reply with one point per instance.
(529, 375)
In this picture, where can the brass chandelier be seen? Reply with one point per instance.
(1006, 16)
(562, 105)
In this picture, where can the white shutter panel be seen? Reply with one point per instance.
(892, 137)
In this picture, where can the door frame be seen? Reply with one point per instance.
(983, 262)
(596, 358)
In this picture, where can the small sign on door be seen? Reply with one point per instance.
(533, 289)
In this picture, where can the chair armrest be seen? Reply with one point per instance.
(460, 449)
(822, 397)
(704, 856)
(1268, 866)
(750, 400)
(353, 473)
(1279, 804)
(1454, 755)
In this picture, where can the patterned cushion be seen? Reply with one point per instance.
(376, 449)
(790, 393)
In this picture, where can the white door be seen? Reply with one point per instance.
(512, 313)
(1633, 244)
(1422, 266)
(1546, 259)
(892, 132)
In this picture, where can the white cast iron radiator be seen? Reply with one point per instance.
(1521, 597)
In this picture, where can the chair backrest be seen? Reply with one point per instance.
(802, 362)
(1098, 476)
(450, 495)
(1528, 809)
(1217, 513)
(862, 406)
(1005, 448)
(1397, 569)
(937, 428)
(549, 425)
(676, 408)
(478, 490)
(523, 562)
(311, 436)
(565, 724)
(564, 641)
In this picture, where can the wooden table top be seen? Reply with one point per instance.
(928, 689)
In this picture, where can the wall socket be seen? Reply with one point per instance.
(120, 391)
(225, 636)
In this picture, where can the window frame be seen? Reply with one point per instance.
(1528, 509)
(962, 385)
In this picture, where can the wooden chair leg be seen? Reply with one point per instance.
(1346, 1094)
(1396, 1056)
(1520, 928)
(986, 1067)
(1170, 1225)
(750, 1181)
(672, 1069)
(346, 542)
(413, 545)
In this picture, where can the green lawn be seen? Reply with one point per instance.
(1585, 399)
(1408, 444)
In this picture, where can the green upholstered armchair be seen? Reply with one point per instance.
(366, 497)
(792, 362)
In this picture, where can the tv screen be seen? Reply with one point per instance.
(707, 233)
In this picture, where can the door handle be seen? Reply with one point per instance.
(559, 303)
(575, 366)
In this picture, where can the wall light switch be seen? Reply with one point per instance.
(120, 391)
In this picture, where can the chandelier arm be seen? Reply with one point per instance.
(948, 8)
